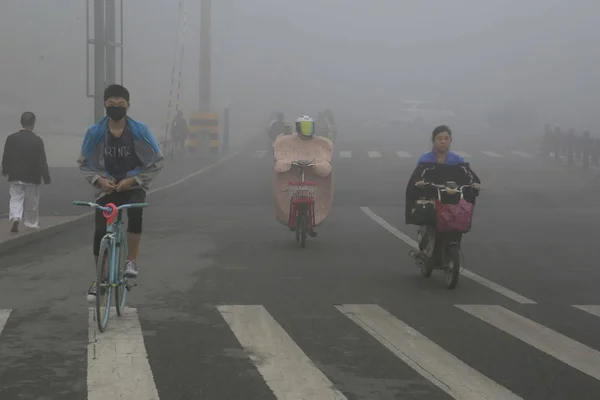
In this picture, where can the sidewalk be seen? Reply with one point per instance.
(48, 225)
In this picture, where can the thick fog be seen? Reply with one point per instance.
(359, 58)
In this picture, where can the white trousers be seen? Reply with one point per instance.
(24, 202)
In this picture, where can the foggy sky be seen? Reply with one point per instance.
(469, 55)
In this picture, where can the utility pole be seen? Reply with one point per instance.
(205, 59)
(104, 43)
(99, 60)
(110, 35)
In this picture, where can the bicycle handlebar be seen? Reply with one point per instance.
(110, 210)
(444, 188)
(302, 165)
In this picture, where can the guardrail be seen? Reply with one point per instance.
(575, 149)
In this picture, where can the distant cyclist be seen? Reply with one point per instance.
(120, 158)
(276, 127)
(179, 131)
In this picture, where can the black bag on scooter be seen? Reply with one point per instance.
(423, 213)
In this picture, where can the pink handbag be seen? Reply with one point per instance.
(454, 217)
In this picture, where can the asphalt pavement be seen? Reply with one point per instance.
(229, 307)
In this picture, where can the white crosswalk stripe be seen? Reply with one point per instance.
(427, 358)
(521, 154)
(260, 153)
(287, 370)
(567, 350)
(4, 314)
(492, 154)
(405, 154)
(118, 364)
(594, 310)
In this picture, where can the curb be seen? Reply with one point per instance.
(32, 236)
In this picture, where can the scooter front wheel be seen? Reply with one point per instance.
(453, 265)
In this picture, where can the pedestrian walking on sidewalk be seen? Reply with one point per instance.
(24, 162)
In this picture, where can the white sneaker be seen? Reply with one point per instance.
(130, 270)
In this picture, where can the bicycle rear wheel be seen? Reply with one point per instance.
(103, 295)
(121, 288)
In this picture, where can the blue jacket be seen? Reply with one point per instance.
(91, 160)
(451, 158)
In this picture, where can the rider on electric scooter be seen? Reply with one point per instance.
(438, 166)
(306, 148)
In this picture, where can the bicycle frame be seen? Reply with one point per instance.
(117, 242)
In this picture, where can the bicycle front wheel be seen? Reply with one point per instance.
(103, 295)
(121, 288)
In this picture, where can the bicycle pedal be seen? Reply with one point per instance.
(130, 286)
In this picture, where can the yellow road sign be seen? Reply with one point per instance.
(206, 124)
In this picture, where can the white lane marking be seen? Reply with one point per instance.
(118, 366)
(492, 154)
(193, 174)
(403, 154)
(431, 361)
(285, 368)
(463, 154)
(567, 350)
(471, 275)
(260, 153)
(345, 154)
(4, 314)
(522, 154)
(594, 310)
(374, 154)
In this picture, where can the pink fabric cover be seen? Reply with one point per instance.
(318, 150)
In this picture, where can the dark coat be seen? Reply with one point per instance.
(24, 158)
(439, 174)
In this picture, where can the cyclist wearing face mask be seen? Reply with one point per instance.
(120, 158)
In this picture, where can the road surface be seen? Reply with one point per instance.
(228, 307)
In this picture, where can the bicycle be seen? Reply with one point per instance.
(302, 196)
(112, 256)
(450, 234)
